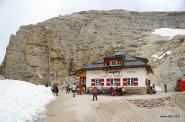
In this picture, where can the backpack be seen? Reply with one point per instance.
(94, 90)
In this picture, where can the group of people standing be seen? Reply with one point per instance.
(150, 89)
(73, 88)
(55, 88)
(96, 90)
(117, 91)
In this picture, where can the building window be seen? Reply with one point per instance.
(113, 62)
(98, 82)
(119, 62)
(92, 82)
(115, 82)
(130, 81)
(108, 82)
(112, 82)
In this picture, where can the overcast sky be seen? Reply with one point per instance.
(14, 13)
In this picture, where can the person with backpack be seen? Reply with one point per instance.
(94, 92)
(74, 89)
(55, 89)
(153, 89)
(67, 89)
(165, 88)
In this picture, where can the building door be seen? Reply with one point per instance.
(83, 80)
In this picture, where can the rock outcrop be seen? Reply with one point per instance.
(57, 47)
(2, 77)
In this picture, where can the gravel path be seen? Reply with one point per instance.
(112, 109)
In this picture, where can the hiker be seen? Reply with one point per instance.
(55, 89)
(148, 88)
(83, 89)
(70, 87)
(111, 90)
(123, 91)
(94, 92)
(114, 92)
(67, 88)
(99, 90)
(80, 89)
(153, 89)
(165, 88)
(74, 89)
(117, 90)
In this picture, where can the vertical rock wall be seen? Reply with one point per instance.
(54, 48)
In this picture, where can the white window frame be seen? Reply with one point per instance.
(130, 81)
(113, 82)
(98, 82)
(113, 62)
(119, 62)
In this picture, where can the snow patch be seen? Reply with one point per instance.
(22, 101)
(158, 88)
(169, 32)
(161, 55)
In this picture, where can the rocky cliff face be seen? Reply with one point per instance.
(63, 44)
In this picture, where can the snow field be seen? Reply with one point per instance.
(22, 101)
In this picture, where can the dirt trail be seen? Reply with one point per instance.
(110, 109)
(59, 110)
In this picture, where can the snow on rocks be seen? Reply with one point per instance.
(22, 101)
(158, 88)
(161, 55)
(169, 32)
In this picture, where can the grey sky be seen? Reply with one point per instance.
(14, 13)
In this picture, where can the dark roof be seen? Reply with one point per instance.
(119, 53)
(129, 62)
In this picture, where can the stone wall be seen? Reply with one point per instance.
(153, 103)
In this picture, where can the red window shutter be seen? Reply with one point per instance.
(124, 81)
(102, 82)
(118, 82)
(108, 82)
(92, 82)
(106, 61)
(135, 81)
